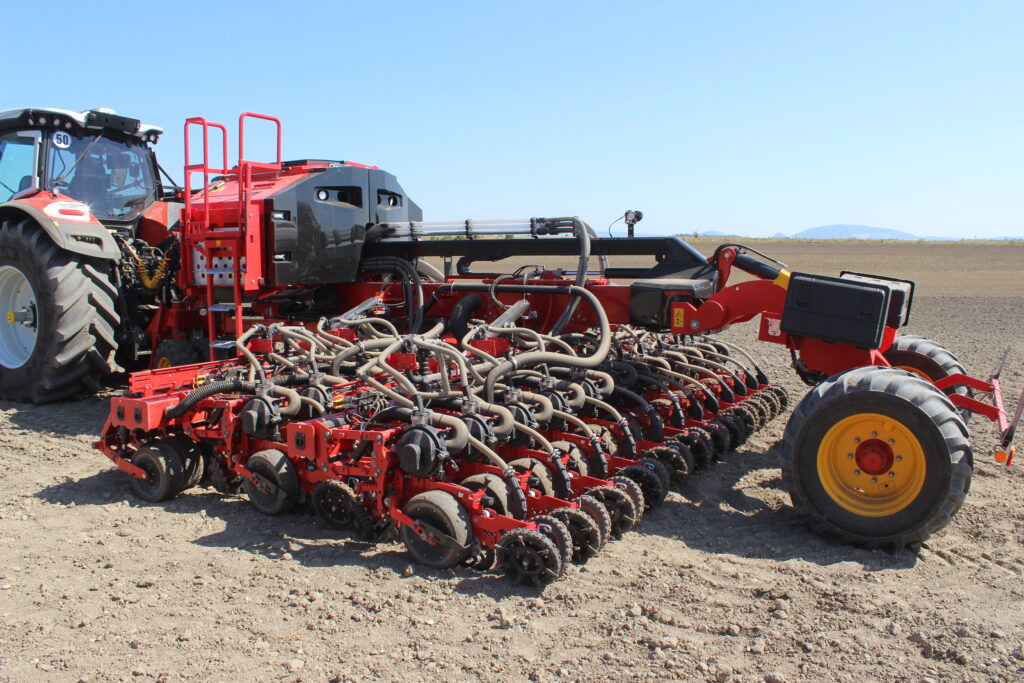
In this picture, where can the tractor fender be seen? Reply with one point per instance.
(90, 238)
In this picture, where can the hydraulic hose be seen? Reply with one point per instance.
(458, 323)
(576, 391)
(206, 391)
(656, 428)
(582, 233)
(228, 386)
(532, 358)
(546, 410)
(517, 497)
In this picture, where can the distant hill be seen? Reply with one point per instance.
(853, 232)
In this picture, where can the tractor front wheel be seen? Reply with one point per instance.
(877, 457)
(58, 317)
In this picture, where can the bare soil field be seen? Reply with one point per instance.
(723, 582)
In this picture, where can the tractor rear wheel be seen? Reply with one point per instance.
(58, 317)
(877, 457)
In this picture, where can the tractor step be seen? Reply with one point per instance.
(222, 308)
(222, 344)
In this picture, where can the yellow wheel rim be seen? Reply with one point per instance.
(871, 465)
(164, 362)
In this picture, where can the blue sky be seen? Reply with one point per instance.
(747, 117)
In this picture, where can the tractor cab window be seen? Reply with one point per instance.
(115, 179)
(17, 164)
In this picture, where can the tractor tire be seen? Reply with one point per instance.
(930, 360)
(876, 457)
(170, 353)
(65, 340)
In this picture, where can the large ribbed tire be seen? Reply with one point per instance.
(69, 346)
(876, 457)
(929, 359)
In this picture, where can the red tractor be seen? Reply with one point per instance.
(80, 205)
(93, 275)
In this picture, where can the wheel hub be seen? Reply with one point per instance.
(19, 329)
(874, 457)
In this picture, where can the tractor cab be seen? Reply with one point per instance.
(96, 158)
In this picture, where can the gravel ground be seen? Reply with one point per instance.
(723, 582)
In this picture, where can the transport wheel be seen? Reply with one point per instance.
(559, 534)
(586, 537)
(599, 513)
(540, 475)
(528, 557)
(623, 513)
(192, 460)
(633, 490)
(877, 457)
(928, 359)
(495, 489)
(171, 353)
(443, 513)
(164, 473)
(340, 508)
(58, 317)
(275, 467)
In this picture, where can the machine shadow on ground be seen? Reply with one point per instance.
(301, 536)
(710, 515)
(718, 512)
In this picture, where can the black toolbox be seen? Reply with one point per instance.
(901, 294)
(838, 310)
